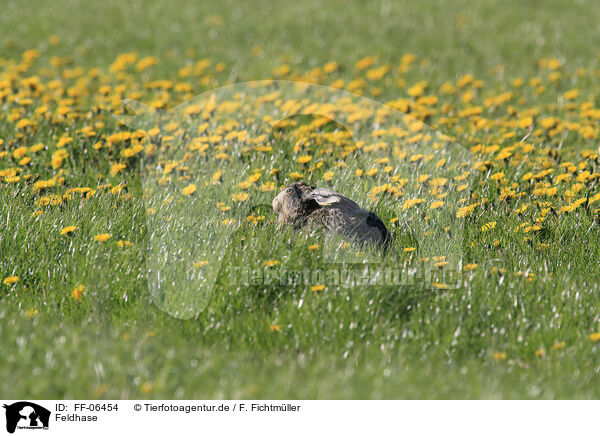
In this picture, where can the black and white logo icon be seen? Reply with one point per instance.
(26, 415)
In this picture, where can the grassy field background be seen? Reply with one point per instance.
(525, 323)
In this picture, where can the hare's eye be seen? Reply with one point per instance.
(289, 191)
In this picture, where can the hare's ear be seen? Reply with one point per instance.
(323, 196)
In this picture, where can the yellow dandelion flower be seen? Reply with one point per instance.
(464, 80)
(517, 83)
(594, 198)
(595, 337)
(43, 184)
(10, 280)
(116, 168)
(241, 196)
(68, 229)
(24, 123)
(282, 70)
(466, 210)
(330, 67)
(559, 345)
(102, 237)
(409, 249)
(313, 247)
(525, 122)
(499, 356)
(146, 388)
(216, 177)
(189, 190)
(146, 62)
(417, 89)
(267, 187)
(328, 175)
(304, 159)
(365, 62)
(317, 288)
(439, 285)
(571, 95)
(77, 293)
(65, 140)
(412, 202)
(488, 226)
(272, 263)
(551, 64)
(200, 263)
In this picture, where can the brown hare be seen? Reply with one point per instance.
(303, 205)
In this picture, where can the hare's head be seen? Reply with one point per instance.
(292, 202)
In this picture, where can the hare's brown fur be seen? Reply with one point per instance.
(303, 205)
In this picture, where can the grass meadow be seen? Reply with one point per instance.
(471, 128)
